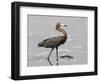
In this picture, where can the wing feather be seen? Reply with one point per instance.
(52, 42)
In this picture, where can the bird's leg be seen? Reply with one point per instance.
(49, 61)
(49, 56)
(57, 55)
(50, 52)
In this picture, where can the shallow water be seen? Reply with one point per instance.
(37, 56)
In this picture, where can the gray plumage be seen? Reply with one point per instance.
(51, 42)
(54, 42)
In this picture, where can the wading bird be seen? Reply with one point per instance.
(55, 42)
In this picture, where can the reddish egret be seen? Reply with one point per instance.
(55, 42)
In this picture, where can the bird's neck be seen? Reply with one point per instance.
(62, 31)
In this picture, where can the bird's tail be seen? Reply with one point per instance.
(40, 44)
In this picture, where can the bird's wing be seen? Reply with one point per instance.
(53, 39)
(52, 42)
(45, 40)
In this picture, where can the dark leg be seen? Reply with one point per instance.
(49, 56)
(49, 61)
(57, 55)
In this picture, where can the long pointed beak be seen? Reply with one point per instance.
(65, 25)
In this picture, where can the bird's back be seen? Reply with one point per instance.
(52, 42)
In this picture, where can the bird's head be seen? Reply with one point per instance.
(59, 25)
